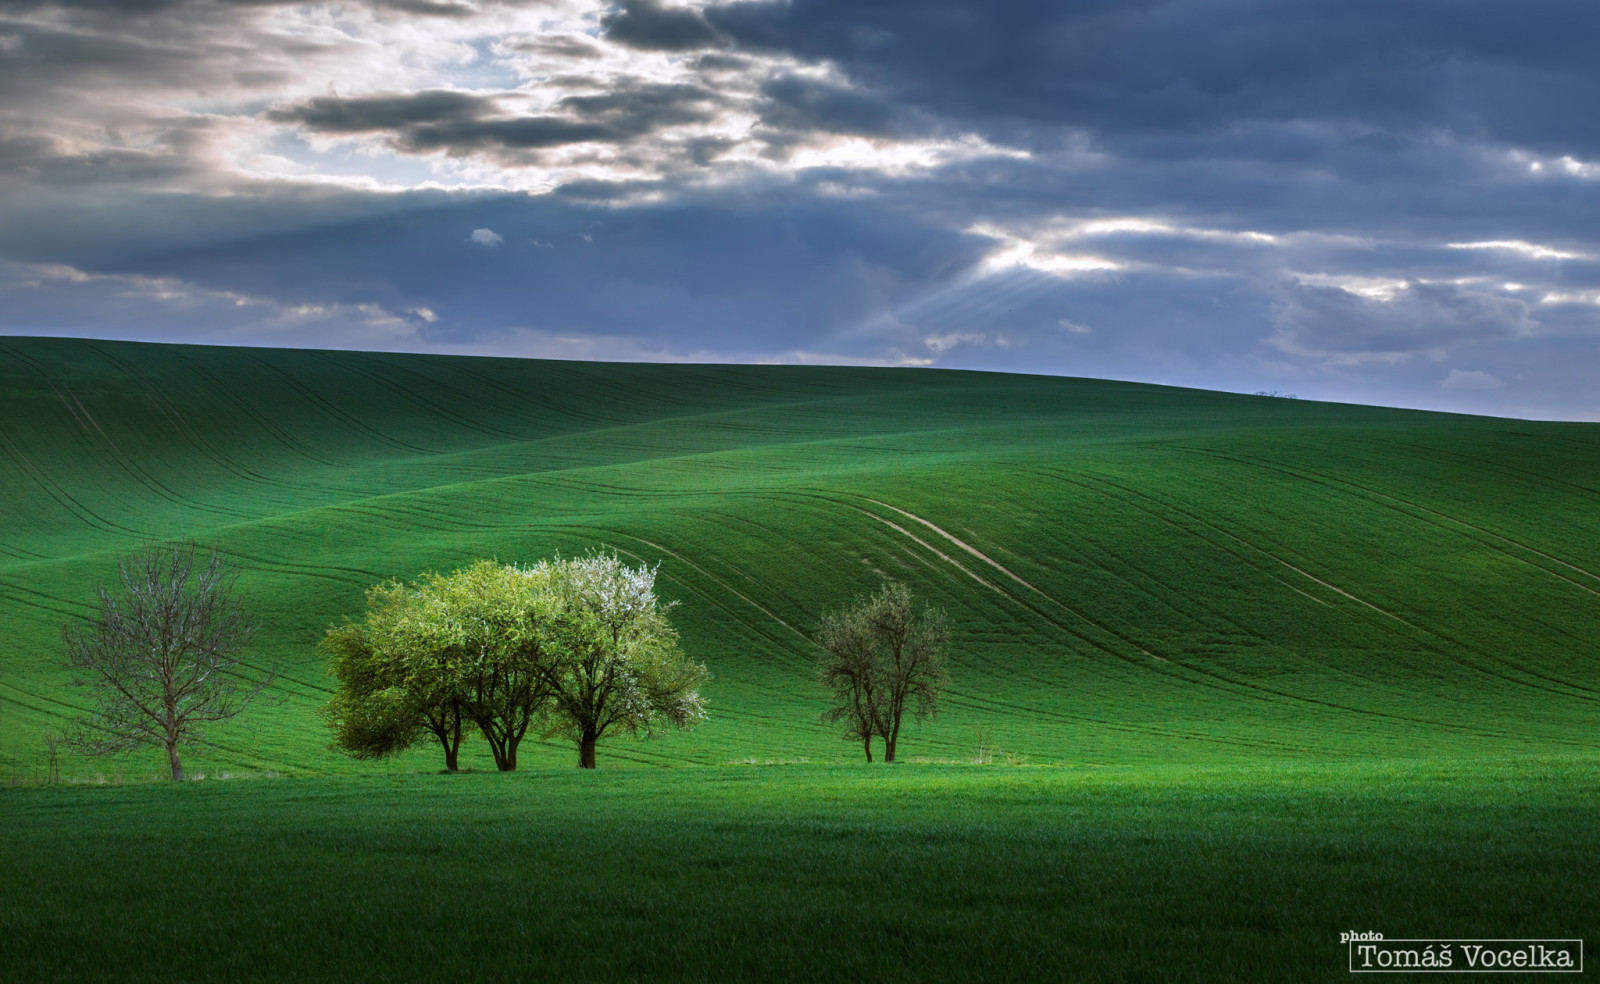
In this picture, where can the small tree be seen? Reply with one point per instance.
(877, 660)
(161, 660)
(614, 663)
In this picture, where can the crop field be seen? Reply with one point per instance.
(1270, 669)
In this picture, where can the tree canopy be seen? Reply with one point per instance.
(579, 648)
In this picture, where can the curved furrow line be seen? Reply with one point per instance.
(61, 496)
(1306, 474)
(1202, 677)
(725, 585)
(394, 508)
(19, 600)
(412, 396)
(541, 405)
(165, 407)
(1012, 575)
(180, 423)
(1334, 483)
(1262, 691)
(54, 599)
(131, 467)
(43, 699)
(1433, 647)
(261, 420)
(1500, 465)
(335, 412)
(265, 565)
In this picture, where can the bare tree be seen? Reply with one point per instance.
(160, 661)
(878, 660)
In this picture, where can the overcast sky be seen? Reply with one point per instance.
(1379, 201)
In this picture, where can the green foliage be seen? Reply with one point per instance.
(371, 712)
(879, 658)
(580, 644)
(615, 665)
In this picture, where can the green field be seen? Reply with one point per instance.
(1273, 669)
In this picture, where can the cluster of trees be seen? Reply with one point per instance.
(579, 648)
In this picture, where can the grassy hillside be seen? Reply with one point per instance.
(1134, 573)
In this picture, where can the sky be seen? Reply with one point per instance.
(1376, 201)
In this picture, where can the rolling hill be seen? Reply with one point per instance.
(1134, 573)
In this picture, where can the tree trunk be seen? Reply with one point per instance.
(450, 754)
(586, 749)
(510, 755)
(888, 749)
(867, 744)
(177, 767)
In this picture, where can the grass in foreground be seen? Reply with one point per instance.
(793, 873)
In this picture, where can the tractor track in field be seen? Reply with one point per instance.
(584, 423)
(1339, 484)
(1589, 450)
(80, 414)
(725, 585)
(335, 413)
(180, 423)
(1228, 684)
(261, 420)
(1088, 482)
(62, 497)
(1389, 501)
(974, 551)
(17, 595)
(129, 466)
(411, 395)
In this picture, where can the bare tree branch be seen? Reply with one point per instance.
(160, 660)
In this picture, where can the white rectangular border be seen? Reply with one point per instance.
(1351, 961)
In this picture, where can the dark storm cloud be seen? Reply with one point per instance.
(648, 25)
(459, 122)
(369, 114)
(795, 105)
(1501, 70)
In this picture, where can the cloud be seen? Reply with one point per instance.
(486, 237)
(1343, 327)
(387, 111)
(651, 26)
(1530, 250)
(1471, 379)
